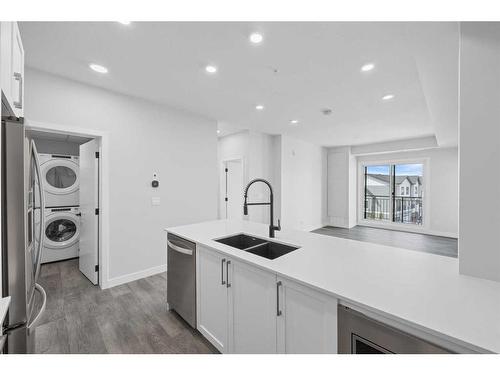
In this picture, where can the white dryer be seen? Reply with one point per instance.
(62, 234)
(61, 177)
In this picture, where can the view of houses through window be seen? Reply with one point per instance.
(394, 192)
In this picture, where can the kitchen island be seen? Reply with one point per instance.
(419, 293)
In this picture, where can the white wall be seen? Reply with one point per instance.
(341, 188)
(258, 151)
(479, 142)
(143, 138)
(303, 181)
(442, 185)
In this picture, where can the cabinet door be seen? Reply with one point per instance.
(17, 74)
(252, 309)
(6, 59)
(308, 322)
(211, 297)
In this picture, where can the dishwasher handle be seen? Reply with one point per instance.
(179, 249)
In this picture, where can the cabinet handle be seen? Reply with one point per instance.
(228, 284)
(19, 78)
(222, 271)
(278, 310)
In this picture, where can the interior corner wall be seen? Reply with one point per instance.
(479, 145)
(258, 151)
(303, 184)
(341, 187)
(144, 138)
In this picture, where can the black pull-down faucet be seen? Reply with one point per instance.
(272, 227)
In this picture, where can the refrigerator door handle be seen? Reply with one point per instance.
(42, 209)
(34, 322)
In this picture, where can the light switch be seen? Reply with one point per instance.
(155, 201)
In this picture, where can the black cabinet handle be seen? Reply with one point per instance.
(222, 271)
(228, 284)
(278, 311)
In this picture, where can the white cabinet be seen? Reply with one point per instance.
(12, 66)
(252, 314)
(245, 309)
(308, 320)
(236, 304)
(212, 297)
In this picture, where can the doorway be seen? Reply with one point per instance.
(232, 189)
(71, 174)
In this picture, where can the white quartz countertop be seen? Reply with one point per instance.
(422, 290)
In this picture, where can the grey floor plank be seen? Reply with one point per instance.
(129, 318)
(406, 240)
(52, 337)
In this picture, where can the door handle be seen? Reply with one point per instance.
(42, 209)
(222, 271)
(278, 310)
(42, 309)
(179, 249)
(19, 78)
(228, 284)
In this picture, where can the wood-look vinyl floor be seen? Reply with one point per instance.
(129, 318)
(406, 240)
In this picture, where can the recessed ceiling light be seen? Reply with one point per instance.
(211, 69)
(125, 22)
(294, 122)
(367, 67)
(388, 97)
(256, 38)
(218, 131)
(259, 107)
(98, 68)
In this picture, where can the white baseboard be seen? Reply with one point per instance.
(134, 276)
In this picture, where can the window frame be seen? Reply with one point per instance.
(364, 162)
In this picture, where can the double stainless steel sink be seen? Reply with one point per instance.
(258, 246)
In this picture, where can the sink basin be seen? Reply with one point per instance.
(241, 241)
(271, 250)
(258, 246)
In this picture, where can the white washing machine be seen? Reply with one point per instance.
(62, 234)
(61, 177)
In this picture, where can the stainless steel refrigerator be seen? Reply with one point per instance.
(22, 235)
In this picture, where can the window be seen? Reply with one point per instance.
(382, 183)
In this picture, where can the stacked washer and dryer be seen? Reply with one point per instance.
(61, 179)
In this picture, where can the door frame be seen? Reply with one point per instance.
(221, 173)
(103, 136)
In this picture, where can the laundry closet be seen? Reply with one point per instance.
(59, 158)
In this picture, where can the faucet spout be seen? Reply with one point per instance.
(272, 227)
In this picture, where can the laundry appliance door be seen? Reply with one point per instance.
(62, 229)
(61, 175)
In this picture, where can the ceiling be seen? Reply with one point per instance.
(298, 70)
(58, 137)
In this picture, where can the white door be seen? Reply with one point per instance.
(308, 320)
(211, 297)
(233, 189)
(89, 208)
(252, 309)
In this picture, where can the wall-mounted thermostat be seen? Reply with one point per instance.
(156, 181)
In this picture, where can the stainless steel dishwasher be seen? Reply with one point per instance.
(181, 277)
